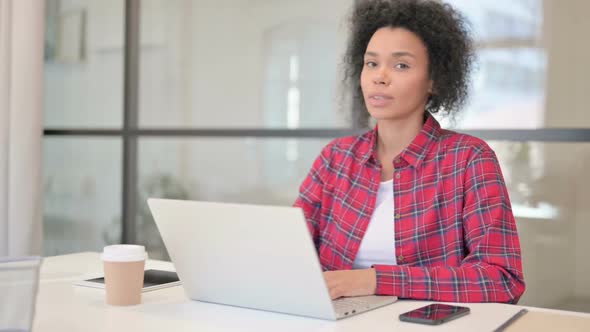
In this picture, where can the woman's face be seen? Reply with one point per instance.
(394, 79)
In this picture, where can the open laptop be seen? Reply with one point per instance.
(259, 257)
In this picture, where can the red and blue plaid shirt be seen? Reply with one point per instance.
(455, 234)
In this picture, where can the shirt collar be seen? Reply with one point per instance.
(414, 153)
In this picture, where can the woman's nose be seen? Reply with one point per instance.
(381, 77)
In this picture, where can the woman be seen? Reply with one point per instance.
(410, 209)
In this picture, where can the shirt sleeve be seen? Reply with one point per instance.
(491, 270)
(311, 194)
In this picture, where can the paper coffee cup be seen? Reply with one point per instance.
(123, 273)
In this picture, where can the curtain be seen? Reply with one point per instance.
(21, 129)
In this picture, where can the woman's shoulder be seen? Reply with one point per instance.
(357, 146)
(452, 141)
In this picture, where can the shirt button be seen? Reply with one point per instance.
(400, 258)
(397, 176)
(397, 216)
(397, 161)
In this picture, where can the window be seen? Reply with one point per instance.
(235, 98)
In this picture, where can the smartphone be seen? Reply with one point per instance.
(434, 314)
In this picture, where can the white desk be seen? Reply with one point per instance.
(64, 307)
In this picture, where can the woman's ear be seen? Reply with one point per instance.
(431, 87)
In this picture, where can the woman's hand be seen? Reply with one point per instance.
(351, 282)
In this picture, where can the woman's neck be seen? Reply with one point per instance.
(395, 135)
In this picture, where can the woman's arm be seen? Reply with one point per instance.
(492, 268)
(311, 194)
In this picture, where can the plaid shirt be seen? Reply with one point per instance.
(455, 235)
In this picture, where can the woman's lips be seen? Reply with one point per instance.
(379, 100)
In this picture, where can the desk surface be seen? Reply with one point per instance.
(61, 306)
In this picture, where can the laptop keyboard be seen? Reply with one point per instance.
(352, 305)
(349, 304)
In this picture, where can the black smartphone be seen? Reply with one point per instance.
(434, 314)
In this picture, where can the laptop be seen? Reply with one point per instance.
(258, 257)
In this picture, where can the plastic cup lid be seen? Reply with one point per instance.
(124, 253)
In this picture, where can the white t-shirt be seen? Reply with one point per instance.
(378, 244)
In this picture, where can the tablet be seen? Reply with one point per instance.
(152, 280)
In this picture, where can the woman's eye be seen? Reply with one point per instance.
(401, 66)
(370, 64)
